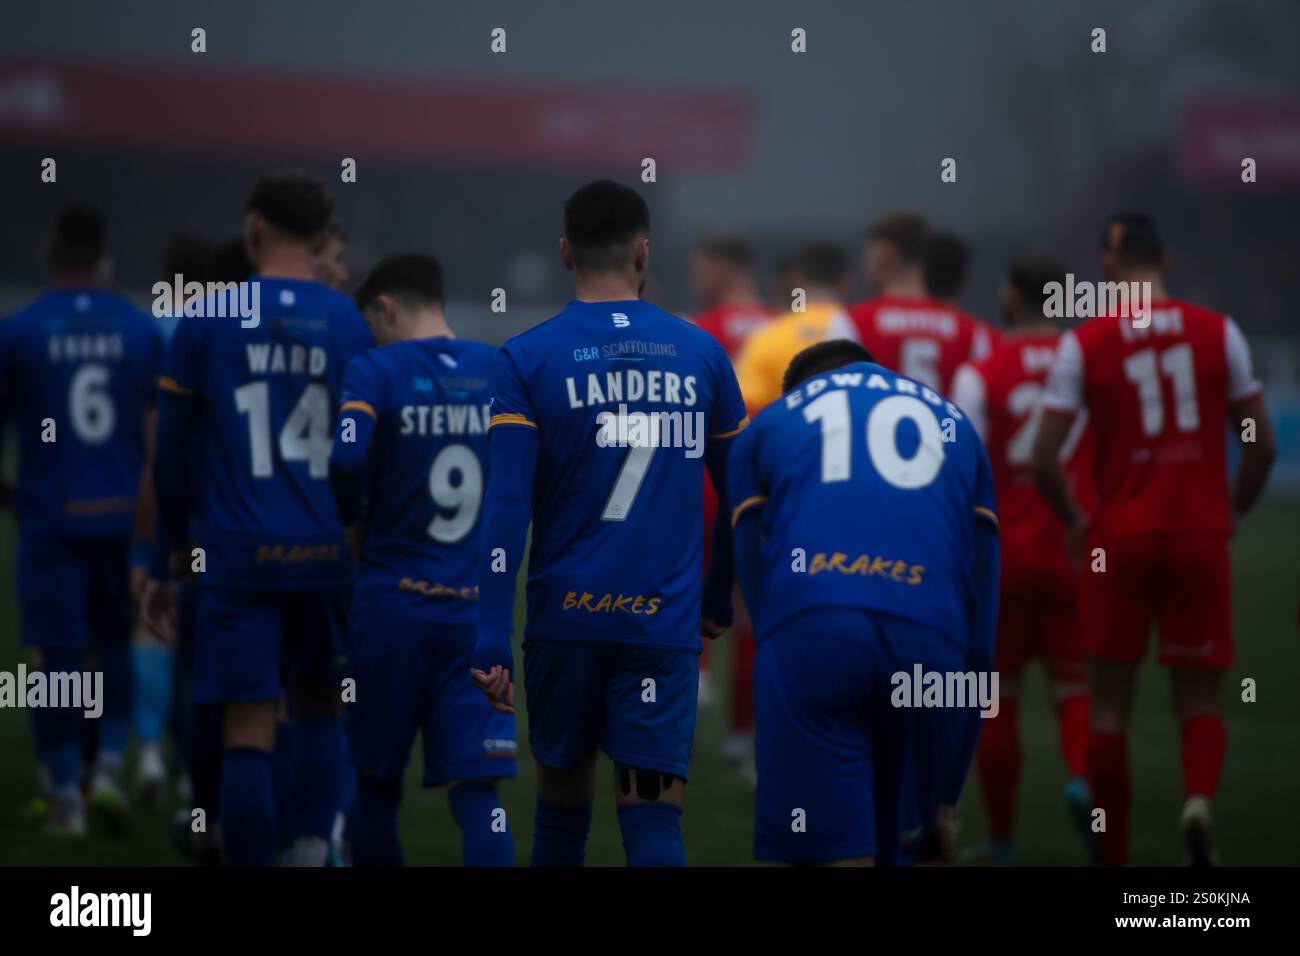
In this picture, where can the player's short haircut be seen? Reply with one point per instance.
(80, 238)
(946, 261)
(293, 202)
(412, 277)
(1029, 273)
(905, 231)
(1134, 239)
(822, 263)
(230, 261)
(730, 248)
(190, 255)
(822, 357)
(601, 220)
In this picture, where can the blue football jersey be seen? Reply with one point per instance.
(869, 485)
(78, 369)
(263, 511)
(426, 471)
(624, 397)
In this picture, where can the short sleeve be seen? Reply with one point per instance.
(968, 394)
(1242, 383)
(511, 404)
(363, 387)
(728, 415)
(181, 367)
(1064, 391)
(745, 486)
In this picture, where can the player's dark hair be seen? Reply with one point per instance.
(1029, 273)
(729, 248)
(822, 357)
(79, 239)
(230, 261)
(601, 220)
(905, 231)
(413, 277)
(293, 202)
(188, 254)
(1134, 239)
(946, 261)
(822, 263)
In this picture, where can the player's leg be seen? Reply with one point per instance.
(1067, 677)
(51, 585)
(815, 801)
(201, 745)
(1114, 614)
(109, 615)
(650, 697)
(565, 714)
(152, 671)
(315, 624)
(389, 663)
(998, 755)
(468, 746)
(237, 665)
(1195, 620)
(738, 744)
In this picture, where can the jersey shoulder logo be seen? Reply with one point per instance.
(621, 321)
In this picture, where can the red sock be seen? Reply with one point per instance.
(1108, 778)
(1204, 743)
(1072, 720)
(999, 763)
(742, 680)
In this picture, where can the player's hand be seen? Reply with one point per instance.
(1076, 534)
(712, 629)
(498, 687)
(158, 610)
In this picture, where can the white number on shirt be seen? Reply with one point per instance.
(91, 405)
(919, 359)
(463, 499)
(635, 465)
(832, 412)
(1143, 370)
(304, 437)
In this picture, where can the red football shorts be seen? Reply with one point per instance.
(1180, 582)
(1036, 619)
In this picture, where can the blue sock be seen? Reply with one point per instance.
(373, 823)
(204, 758)
(115, 661)
(486, 839)
(317, 776)
(282, 774)
(61, 727)
(652, 834)
(560, 834)
(248, 807)
(153, 689)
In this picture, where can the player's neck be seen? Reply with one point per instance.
(822, 297)
(285, 262)
(605, 287)
(1152, 279)
(431, 324)
(907, 286)
(75, 279)
(1036, 325)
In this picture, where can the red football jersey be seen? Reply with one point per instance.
(1157, 399)
(1003, 395)
(732, 324)
(922, 339)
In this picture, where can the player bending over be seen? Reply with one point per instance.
(1003, 397)
(1156, 389)
(408, 469)
(603, 419)
(866, 545)
(256, 529)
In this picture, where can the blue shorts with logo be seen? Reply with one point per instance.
(842, 772)
(636, 704)
(412, 674)
(74, 593)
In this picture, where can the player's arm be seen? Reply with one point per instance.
(358, 414)
(1249, 416)
(146, 510)
(729, 421)
(1062, 401)
(177, 430)
(745, 490)
(507, 511)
